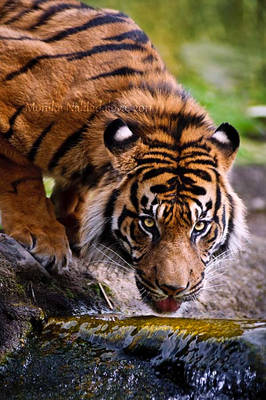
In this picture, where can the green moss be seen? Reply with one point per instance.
(20, 289)
(69, 294)
(95, 288)
(11, 287)
(107, 289)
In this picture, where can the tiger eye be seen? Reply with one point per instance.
(199, 226)
(148, 222)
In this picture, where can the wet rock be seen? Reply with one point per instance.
(250, 183)
(28, 294)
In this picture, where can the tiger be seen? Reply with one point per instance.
(141, 171)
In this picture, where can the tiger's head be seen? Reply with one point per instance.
(166, 209)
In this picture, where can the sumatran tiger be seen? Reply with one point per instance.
(140, 170)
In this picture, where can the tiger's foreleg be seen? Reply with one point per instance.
(69, 205)
(27, 215)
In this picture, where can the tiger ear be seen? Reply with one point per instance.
(226, 139)
(118, 137)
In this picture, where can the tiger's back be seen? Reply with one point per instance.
(85, 54)
(140, 169)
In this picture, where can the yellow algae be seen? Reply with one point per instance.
(153, 327)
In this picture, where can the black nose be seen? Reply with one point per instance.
(173, 290)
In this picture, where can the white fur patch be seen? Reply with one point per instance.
(123, 133)
(221, 137)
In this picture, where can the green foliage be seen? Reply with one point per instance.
(48, 184)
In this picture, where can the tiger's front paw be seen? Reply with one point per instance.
(48, 244)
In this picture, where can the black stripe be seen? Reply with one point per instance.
(194, 154)
(156, 172)
(19, 15)
(154, 144)
(186, 121)
(152, 161)
(134, 196)
(214, 237)
(188, 215)
(30, 64)
(164, 128)
(166, 212)
(198, 190)
(119, 235)
(149, 59)
(91, 176)
(132, 231)
(67, 145)
(203, 162)
(186, 180)
(144, 201)
(38, 2)
(133, 235)
(144, 281)
(197, 201)
(163, 88)
(199, 173)
(35, 147)
(17, 182)
(124, 71)
(164, 154)
(7, 8)
(232, 215)
(224, 218)
(104, 48)
(218, 199)
(135, 35)
(109, 208)
(208, 205)
(26, 11)
(12, 120)
(195, 144)
(124, 214)
(73, 56)
(54, 10)
(92, 23)
(162, 188)
(225, 245)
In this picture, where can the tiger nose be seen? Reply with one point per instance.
(171, 290)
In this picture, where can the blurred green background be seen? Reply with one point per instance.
(217, 50)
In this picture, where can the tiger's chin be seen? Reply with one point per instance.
(168, 305)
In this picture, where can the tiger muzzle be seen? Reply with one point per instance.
(167, 284)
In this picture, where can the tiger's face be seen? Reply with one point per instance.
(171, 213)
(170, 233)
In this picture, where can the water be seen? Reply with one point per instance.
(139, 358)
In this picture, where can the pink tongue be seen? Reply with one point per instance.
(168, 305)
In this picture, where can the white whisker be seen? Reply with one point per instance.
(108, 257)
(118, 255)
